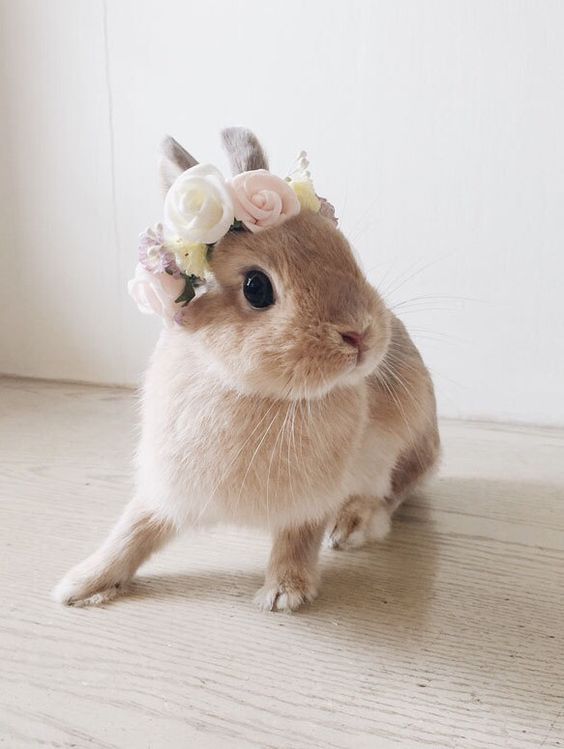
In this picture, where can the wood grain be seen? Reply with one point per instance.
(449, 634)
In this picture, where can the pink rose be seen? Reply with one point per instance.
(263, 200)
(155, 293)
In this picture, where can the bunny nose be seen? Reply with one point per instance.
(353, 338)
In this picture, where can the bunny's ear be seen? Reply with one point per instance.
(244, 151)
(173, 161)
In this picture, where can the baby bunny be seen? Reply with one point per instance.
(286, 396)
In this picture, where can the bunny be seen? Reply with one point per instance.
(289, 399)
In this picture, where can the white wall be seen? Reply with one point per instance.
(436, 127)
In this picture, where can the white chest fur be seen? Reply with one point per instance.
(208, 453)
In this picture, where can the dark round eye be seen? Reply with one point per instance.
(258, 289)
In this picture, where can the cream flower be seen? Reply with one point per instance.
(263, 200)
(192, 258)
(199, 205)
(305, 193)
(155, 293)
(300, 180)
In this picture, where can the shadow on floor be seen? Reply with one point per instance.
(404, 594)
(398, 574)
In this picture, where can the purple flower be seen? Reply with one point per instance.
(327, 209)
(153, 254)
(179, 317)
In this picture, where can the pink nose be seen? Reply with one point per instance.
(352, 338)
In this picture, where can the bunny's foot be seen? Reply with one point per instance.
(360, 520)
(103, 576)
(86, 585)
(292, 577)
(287, 594)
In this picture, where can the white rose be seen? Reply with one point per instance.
(199, 206)
(155, 293)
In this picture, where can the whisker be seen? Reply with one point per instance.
(271, 461)
(403, 279)
(238, 453)
(264, 436)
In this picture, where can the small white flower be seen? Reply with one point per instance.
(199, 205)
(300, 171)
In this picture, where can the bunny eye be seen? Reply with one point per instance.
(257, 289)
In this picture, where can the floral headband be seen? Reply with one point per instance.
(200, 207)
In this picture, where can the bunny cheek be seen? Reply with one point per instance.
(203, 312)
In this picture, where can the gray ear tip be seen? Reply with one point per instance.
(236, 134)
(173, 160)
(244, 149)
(234, 129)
(168, 145)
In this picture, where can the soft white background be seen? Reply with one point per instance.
(436, 127)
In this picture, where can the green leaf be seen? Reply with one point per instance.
(188, 294)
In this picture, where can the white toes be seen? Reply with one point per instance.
(282, 598)
(380, 525)
(356, 539)
(67, 591)
(342, 539)
(330, 542)
(88, 586)
(265, 598)
(75, 593)
(352, 532)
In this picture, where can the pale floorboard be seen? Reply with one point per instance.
(449, 634)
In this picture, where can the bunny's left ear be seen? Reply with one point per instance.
(173, 161)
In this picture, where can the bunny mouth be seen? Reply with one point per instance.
(361, 363)
(354, 361)
(353, 365)
(361, 356)
(357, 358)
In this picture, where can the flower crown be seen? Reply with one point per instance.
(200, 207)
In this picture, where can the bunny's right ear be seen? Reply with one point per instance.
(244, 150)
(173, 161)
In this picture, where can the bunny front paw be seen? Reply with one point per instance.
(286, 594)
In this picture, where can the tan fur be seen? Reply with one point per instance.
(136, 536)
(361, 518)
(291, 576)
(270, 418)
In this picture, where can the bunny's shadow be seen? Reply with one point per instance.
(358, 586)
(425, 594)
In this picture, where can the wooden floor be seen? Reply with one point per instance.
(450, 634)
